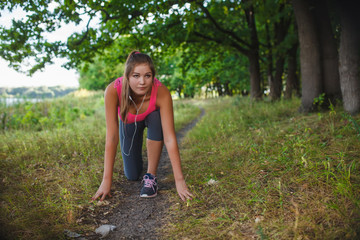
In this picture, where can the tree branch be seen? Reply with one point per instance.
(230, 33)
(77, 43)
(233, 44)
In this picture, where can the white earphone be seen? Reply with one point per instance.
(132, 139)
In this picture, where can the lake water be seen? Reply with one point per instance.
(11, 101)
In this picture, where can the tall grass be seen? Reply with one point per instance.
(51, 163)
(262, 170)
(48, 114)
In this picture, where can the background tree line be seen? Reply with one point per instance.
(231, 47)
(36, 92)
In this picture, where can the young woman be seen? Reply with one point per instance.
(141, 101)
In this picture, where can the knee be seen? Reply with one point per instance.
(132, 177)
(133, 172)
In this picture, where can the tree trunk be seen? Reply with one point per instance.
(309, 54)
(269, 71)
(270, 77)
(179, 90)
(218, 87)
(281, 29)
(254, 68)
(253, 54)
(349, 56)
(228, 90)
(292, 82)
(279, 70)
(329, 54)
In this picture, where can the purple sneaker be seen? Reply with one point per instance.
(150, 187)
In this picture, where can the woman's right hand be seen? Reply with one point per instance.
(103, 191)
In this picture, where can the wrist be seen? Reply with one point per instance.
(107, 179)
(179, 178)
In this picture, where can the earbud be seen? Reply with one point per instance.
(130, 98)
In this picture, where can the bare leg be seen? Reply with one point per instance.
(154, 149)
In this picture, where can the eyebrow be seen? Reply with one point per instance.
(139, 73)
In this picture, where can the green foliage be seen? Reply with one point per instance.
(319, 101)
(98, 75)
(198, 44)
(354, 122)
(46, 114)
(189, 69)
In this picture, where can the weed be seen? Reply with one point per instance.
(353, 121)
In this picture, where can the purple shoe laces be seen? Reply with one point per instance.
(148, 182)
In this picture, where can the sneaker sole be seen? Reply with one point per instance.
(147, 196)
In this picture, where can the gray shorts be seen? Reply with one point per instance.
(132, 155)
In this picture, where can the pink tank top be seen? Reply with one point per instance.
(152, 103)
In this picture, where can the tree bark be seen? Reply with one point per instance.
(281, 29)
(179, 90)
(329, 54)
(253, 54)
(349, 56)
(228, 90)
(270, 77)
(292, 82)
(279, 70)
(309, 54)
(218, 87)
(254, 69)
(269, 71)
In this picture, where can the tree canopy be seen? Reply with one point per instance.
(228, 46)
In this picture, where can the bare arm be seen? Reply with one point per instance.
(112, 140)
(165, 103)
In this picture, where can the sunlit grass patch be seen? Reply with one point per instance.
(277, 174)
(50, 113)
(184, 112)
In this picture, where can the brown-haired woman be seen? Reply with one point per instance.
(141, 101)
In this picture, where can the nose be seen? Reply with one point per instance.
(141, 80)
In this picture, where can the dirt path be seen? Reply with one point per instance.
(137, 218)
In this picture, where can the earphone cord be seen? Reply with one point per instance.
(132, 139)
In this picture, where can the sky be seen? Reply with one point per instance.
(52, 75)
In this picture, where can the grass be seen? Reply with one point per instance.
(262, 170)
(51, 162)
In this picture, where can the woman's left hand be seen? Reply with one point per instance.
(182, 190)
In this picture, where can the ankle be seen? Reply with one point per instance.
(152, 173)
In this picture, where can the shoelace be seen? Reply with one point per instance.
(149, 183)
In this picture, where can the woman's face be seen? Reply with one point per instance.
(140, 79)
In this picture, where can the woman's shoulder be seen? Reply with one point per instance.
(163, 95)
(111, 89)
(162, 89)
